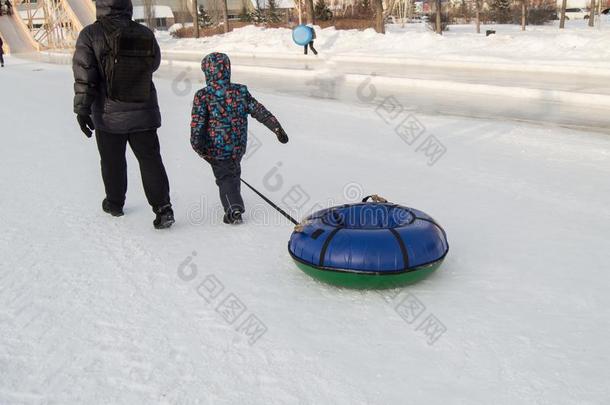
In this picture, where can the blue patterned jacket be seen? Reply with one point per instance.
(219, 120)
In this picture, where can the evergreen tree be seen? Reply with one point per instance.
(322, 11)
(204, 18)
(258, 16)
(273, 14)
(501, 11)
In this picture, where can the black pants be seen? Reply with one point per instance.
(145, 146)
(228, 173)
(311, 47)
(1, 58)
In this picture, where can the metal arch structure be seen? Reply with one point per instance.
(58, 29)
(16, 36)
(46, 24)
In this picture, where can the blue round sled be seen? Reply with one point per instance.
(369, 245)
(302, 35)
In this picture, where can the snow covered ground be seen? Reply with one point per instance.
(95, 309)
(578, 46)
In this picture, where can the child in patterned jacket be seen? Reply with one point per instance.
(219, 129)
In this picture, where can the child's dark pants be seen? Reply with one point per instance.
(227, 173)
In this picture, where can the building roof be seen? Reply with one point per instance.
(159, 12)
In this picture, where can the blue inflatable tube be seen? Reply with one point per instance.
(369, 245)
(302, 35)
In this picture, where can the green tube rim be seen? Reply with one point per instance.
(360, 280)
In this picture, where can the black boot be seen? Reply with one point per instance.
(112, 209)
(165, 217)
(233, 217)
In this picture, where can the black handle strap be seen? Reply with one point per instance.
(268, 201)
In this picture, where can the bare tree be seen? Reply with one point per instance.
(310, 13)
(196, 18)
(439, 27)
(523, 14)
(592, 14)
(299, 6)
(225, 15)
(215, 11)
(562, 22)
(477, 4)
(379, 23)
(149, 14)
(183, 10)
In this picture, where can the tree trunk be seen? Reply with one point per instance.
(439, 27)
(523, 14)
(300, 11)
(478, 15)
(592, 14)
(225, 16)
(196, 18)
(379, 25)
(562, 22)
(149, 14)
(311, 17)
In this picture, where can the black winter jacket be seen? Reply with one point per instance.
(90, 85)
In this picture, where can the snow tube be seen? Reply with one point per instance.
(368, 245)
(302, 35)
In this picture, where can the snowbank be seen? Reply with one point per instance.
(578, 45)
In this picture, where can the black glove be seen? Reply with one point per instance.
(86, 124)
(281, 135)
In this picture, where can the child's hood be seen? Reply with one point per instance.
(217, 68)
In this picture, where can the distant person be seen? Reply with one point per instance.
(219, 129)
(1, 53)
(115, 96)
(310, 44)
(7, 7)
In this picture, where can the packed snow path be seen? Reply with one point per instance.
(95, 309)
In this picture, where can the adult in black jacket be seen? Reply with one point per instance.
(117, 123)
